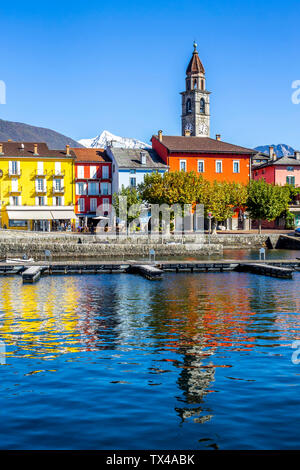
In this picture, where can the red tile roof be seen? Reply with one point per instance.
(26, 149)
(91, 155)
(195, 66)
(201, 145)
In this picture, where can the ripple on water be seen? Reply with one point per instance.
(193, 361)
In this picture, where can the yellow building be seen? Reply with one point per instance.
(36, 186)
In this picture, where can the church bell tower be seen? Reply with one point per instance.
(195, 116)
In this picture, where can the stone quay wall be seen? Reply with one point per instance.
(65, 245)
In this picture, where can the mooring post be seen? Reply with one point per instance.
(262, 254)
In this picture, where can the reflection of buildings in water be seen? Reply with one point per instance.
(204, 314)
(40, 317)
(276, 308)
(132, 299)
(69, 314)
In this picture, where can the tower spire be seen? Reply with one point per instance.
(195, 99)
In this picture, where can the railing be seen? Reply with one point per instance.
(41, 190)
(58, 190)
(15, 191)
(13, 174)
(58, 174)
(40, 174)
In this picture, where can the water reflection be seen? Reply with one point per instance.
(185, 335)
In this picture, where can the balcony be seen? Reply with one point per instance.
(15, 191)
(58, 190)
(58, 174)
(40, 174)
(41, 190)
(14, 174)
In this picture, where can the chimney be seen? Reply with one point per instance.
(68, 150)
(297, 154)
(187, 132)
(218, 136)
(160, 136)
(143, 158)
(35, 152)
(1, 149)
(272, 154)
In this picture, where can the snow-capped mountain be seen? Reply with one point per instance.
(281, 150)
(106, 138)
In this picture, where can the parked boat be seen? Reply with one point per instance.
(18, 260)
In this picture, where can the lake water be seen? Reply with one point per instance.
(194, 361)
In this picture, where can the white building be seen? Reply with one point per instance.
(129, 166)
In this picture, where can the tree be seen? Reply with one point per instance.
(223, 197)
(133, 197)
(176, 187)
(266, 201)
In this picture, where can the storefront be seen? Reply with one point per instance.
(41, 220)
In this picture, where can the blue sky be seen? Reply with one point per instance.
(82, 67)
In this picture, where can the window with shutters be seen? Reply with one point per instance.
(93, 204)
(81, 205)
(80, 189)
(200, 166)
(219, 166)
(40, 185)
(182, 165)
(104, 189)
(93, 189)
(290, 180)
(105, 172)
(80, 172)
(58, 201)
(105, 203)
(93, 172)
(236, 166)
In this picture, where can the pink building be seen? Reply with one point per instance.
(284, 170)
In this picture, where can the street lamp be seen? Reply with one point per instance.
(209, 226)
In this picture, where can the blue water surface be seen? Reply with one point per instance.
(114, 361)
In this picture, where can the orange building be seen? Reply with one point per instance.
(214, 159)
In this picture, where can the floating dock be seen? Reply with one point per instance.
(33, 271)
(267, 270)
(148, 271)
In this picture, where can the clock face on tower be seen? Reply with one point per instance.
(203, 128)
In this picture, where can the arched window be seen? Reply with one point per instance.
(202, 106)
(188, 106)
(195, 84)
(202, 84)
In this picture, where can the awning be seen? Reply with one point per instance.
(63, 215)
(29, 215)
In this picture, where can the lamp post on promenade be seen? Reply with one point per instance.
(209, 226)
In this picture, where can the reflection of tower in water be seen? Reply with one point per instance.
(195, 380)
(206, 315)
